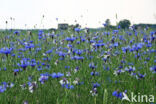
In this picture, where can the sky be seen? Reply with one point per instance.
(89, 13)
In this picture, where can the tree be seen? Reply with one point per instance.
(107, 22)
(124, 23)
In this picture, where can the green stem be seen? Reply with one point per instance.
(95, 100)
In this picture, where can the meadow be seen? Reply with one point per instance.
(77, 66)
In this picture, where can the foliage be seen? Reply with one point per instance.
(124, 24)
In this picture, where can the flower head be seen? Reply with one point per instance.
(57, 75)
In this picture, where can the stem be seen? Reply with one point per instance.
(105, 96)
(95, 100)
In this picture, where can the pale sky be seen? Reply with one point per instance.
(90, 13)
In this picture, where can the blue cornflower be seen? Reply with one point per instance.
(83, 39)
(125, 49)
(16, 70)
(106, 68)
(93, 73)
(38, 49)
(153, 69)
(130, 69)
(67, 67)
(5, 85)
(69, 45)
(49, 51)
(43, 64)
(39, 68)
(76, 69)
(116, 44)
(30, 78)
(118, 72)
(79, 52)
(117, 94)
(16, 32)
(68, 86)
(40, 32)
(92, 66)
(57, 75)
(24, 63)
(61, 54)
(13, 55)
(2, 89)
(71, 39)
(119, 26)
(104, 24)
(115, 31)
(97, 45)
(77, 58)
(29, 46)
(6, 50)
(46, 58)
(43, 78)
(95, 85)
(141, 75)
(77, 29)
(78, 42)
(33, 64)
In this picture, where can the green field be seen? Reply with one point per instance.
(77, 67)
